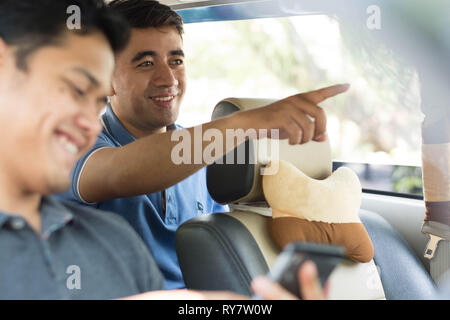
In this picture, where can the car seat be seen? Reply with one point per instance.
(226, 251)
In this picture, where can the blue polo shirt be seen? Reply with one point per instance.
(185, 200)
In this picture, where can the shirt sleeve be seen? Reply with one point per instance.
(73, 194)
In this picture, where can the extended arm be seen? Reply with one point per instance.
(145, 166)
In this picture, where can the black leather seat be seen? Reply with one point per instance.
(217, 252)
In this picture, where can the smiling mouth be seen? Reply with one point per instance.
(69, 142)
(67, 145)
(163, 99)
(164, 102)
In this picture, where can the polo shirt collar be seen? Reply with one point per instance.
(116, 129)
(54, 216)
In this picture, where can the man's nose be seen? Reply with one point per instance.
(164, 76)
(89, 122)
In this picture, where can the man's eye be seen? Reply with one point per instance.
(177, 61)
(77, 91)
(80, 92)
(146, 64)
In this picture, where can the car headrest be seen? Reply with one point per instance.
(241, 182)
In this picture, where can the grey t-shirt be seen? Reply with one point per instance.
(81, 253)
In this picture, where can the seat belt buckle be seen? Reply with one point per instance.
(431, 247)
(437, 232)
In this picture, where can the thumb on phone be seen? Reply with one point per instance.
(268, 289)
(309, 282)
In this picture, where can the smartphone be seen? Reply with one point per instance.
(285, 268)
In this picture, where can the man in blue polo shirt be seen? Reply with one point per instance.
(148, 94)
(123, 172)
(155, 216)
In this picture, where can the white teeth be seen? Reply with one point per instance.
(69, 146)
(163, 98)
(72, 148)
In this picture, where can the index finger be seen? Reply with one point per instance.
(317, 96)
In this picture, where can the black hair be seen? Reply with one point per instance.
(32, 24)
(147, 13)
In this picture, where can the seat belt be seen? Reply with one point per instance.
(439, 259)
(436, 186)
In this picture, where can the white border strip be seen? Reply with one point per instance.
(81, 172)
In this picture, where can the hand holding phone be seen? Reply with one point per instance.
(285, 269)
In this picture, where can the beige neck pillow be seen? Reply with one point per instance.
(321, 211)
